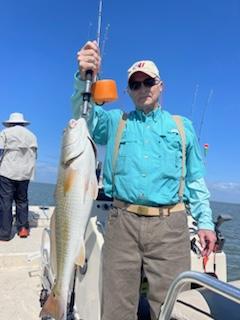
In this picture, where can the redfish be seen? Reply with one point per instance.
(76, 189)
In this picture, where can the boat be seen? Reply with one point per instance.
(211, 296)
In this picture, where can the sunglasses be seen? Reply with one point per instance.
(148, 83)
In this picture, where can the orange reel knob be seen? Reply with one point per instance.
(104, 91)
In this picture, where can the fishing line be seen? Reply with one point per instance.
(89, 73)
(99, 22)
(204, 112)
(194, 101)
(102, 50)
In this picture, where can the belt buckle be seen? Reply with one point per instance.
(142, 210)
(165, 212)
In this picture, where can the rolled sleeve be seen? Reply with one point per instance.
(199, 204)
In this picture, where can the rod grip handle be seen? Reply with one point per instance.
(89, 75)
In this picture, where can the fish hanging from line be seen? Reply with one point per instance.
(76, 189)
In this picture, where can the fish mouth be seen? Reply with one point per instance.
(72, 123)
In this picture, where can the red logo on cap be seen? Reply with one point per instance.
(141, 65)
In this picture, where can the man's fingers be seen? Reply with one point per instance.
(211, 246)
(91, 45)
(88, 53)
(207, 240)
(89, 58)
(202, 241)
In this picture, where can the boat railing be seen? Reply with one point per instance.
(224, 289)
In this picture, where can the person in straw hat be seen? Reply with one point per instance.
(153, 168)
(18, 147)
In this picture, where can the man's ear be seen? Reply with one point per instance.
(128, 91)
(161, 85)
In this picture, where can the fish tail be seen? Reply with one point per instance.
(55, 307)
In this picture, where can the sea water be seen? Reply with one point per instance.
(42, 194)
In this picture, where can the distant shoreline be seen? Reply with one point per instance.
(42, 191)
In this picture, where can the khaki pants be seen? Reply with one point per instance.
(159, 245)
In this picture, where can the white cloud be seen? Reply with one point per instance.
(225, 191)
(225, 186)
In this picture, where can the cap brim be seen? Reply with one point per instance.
(148, 73)
(13, 122)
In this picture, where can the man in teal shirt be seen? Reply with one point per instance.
(147, 227)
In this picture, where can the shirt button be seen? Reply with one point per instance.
(146, 141)
(146, 157)
(141, 195)
(144, 175)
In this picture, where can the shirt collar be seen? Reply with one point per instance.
(155, 114)
(159, 116)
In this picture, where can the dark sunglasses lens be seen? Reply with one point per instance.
(134, 85)
(149, 82)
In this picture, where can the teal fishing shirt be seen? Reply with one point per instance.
(148, 167)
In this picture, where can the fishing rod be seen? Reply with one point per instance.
(89, 73)
(101, 91)
(204, 112)
(194, 101)
(99, 22)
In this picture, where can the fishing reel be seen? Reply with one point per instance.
(220, 238)
(104, 91)
(101, 91)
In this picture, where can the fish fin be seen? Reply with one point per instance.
(95, 189)
(93, 146)
(92, 189)
(80, 260)
(53, 241)
(69, 179)
(54, 307)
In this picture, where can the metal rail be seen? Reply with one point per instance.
(224, 289)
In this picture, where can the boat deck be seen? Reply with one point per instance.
(20, 270)
(20, 289)
(20, 278)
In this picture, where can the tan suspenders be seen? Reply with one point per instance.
(121, 126)
(181, 131)
(180, 127)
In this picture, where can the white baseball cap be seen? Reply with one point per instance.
(146, 66)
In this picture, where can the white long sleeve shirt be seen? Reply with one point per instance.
(19, 154)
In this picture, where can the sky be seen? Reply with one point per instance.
(196, 45)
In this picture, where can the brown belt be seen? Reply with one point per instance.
(149, 211)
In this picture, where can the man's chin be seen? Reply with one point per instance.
(145, 108)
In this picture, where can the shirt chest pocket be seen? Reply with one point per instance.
(171, 153)
(126, 155)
